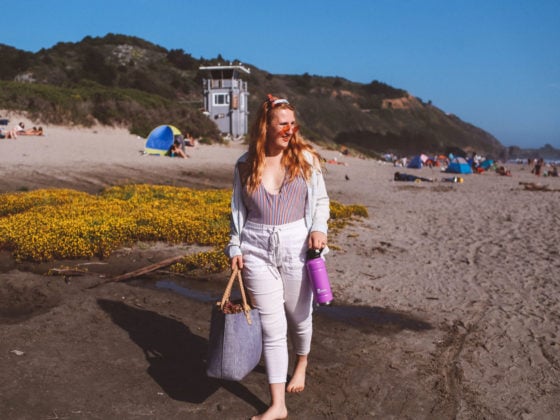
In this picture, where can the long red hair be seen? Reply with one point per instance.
(293, 156)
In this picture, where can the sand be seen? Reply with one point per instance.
(446, 299)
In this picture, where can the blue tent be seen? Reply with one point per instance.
(486, 164)
(161, 139)
(415, 163)
(459, 165)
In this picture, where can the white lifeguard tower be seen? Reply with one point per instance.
(226, 99)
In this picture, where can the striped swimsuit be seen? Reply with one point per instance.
(277, 209)
(273, 245)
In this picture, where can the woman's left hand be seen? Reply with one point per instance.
(317, 240)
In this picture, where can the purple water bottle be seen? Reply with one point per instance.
(317, 272)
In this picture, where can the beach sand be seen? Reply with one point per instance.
(446, 299)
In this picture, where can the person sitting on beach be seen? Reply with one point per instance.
(19, 128)
(176, 151)
(190, 141)
(402, 162)
(335, 161)
(5, 134)
(502, 170)
(411, 178)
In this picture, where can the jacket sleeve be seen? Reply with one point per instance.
(321, 207)
(237, 217)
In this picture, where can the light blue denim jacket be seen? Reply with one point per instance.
(317, 210)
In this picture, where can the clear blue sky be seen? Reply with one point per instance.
(493, 63)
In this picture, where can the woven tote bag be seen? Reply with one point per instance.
(235, 343)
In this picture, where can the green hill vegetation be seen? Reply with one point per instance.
(127, 81)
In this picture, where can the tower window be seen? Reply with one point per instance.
(220, 99)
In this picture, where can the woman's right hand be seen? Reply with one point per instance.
(237, 262)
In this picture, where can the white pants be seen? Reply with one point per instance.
(275, 276)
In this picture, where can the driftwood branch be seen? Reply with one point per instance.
(140, 271)
(147, 269)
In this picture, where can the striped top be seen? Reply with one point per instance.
(277, 209)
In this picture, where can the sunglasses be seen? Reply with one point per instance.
(286, 128)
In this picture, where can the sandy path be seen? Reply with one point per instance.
(480, 259)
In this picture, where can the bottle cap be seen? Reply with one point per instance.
(313, 253)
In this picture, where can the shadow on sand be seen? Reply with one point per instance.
(176, 356)
(367, 319)
(372, 319)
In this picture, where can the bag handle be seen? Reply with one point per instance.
(227, 293)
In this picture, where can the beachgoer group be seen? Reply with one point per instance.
(19, 130)
(35, 131)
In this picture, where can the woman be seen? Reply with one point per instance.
(280, 208)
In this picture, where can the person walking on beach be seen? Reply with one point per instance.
(279, 209)
(538, 167)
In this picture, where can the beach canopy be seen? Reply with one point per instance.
(161, 139)
(459, 165)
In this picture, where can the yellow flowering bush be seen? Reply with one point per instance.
(52, 224)
(17, 203)
(341, 214)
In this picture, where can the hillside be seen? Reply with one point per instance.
(123, 80)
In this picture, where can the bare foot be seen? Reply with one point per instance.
(273, 413)
(297, 383)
